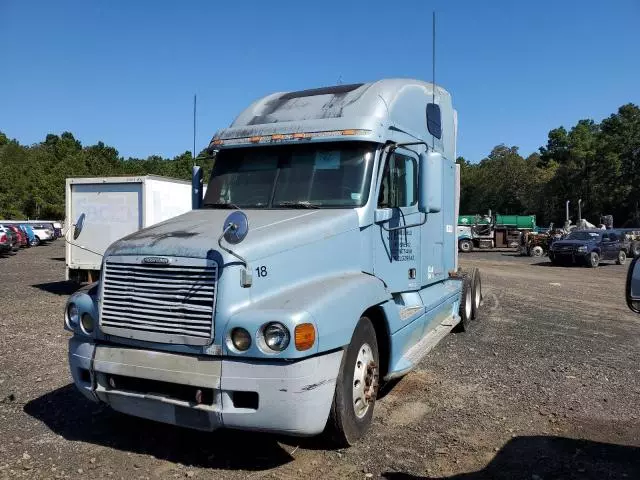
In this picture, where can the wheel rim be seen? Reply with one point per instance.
(468, 305)
(478, 295)
(537, 251)
(621, 257)
(595, 260)
(365, 381)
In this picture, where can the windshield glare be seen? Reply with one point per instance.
(583, 236)
(334, 175)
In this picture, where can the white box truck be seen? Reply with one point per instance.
(114, 207)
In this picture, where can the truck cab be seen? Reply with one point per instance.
(321, 262)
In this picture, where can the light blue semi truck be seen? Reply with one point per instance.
(321, 262)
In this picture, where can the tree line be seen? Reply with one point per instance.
(33, 177)
(596, 162)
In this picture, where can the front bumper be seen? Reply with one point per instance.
(283, 397)
(572, 256)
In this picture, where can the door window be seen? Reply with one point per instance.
(399, 185)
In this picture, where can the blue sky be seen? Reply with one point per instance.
(125, 72)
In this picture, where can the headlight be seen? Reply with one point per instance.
(87, 323)
(72, 314)
(240, 339)
(276, 336)
(582, 249)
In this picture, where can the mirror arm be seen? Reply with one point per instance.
(231, 226)
(401, 227)
(76, 245)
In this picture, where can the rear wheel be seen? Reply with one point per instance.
(356, 387)
(476, 292)
(465, 245)
(635, 249)
(466, 304)
(622, 258)
(593, 260)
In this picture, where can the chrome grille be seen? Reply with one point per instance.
(170, 303)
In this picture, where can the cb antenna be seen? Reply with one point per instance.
(433, 68)
(193, 153)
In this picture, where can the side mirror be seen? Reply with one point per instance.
(633, 285)
(430, 182)
(77, 230)
(196, 188)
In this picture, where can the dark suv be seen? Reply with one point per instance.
(588, 247)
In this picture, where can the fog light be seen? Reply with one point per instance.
(87, 323)
(276, 336)
(72, 314)
(241, 339)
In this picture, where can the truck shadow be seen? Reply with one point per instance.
(67, 413)
(62, 287)
(546, 457)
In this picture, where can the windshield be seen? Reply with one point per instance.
(583, 236)
(334, 175)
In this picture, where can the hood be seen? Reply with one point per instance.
(570, 243)
(195, 233)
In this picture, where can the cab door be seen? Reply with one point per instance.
(397, 231)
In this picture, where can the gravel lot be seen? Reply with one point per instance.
(545, 385)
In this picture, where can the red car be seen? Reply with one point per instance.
(22, 238)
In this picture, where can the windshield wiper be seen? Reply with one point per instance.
(221, 205)
(301, 204)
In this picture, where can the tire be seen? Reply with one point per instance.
(465, 245)
(466, 304)
(476, 293)
(635, 249)
(594, 260)
(622, 258)
(537, 251)
(350, 417)
(36, 241)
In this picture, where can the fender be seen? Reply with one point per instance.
(333, 304)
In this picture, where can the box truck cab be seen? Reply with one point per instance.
(321, 261)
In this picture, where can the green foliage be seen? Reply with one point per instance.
(33, 177)
(598, 163)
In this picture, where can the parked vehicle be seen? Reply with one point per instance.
(6, 245)
(22, 238)
(588, 247)
(13, 239)
(57, 229)
(631, 239)
(321, 262)
(493, 231)
(534, 244)
(43, 233)
(28, 231)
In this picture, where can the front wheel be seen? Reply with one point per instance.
(356, 387)
(465, 245)
(537, 251)
(594, 260)
(622, 258)
(35, 242)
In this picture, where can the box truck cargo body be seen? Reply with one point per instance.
(115, 207)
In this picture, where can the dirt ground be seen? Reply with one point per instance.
(545, 385)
